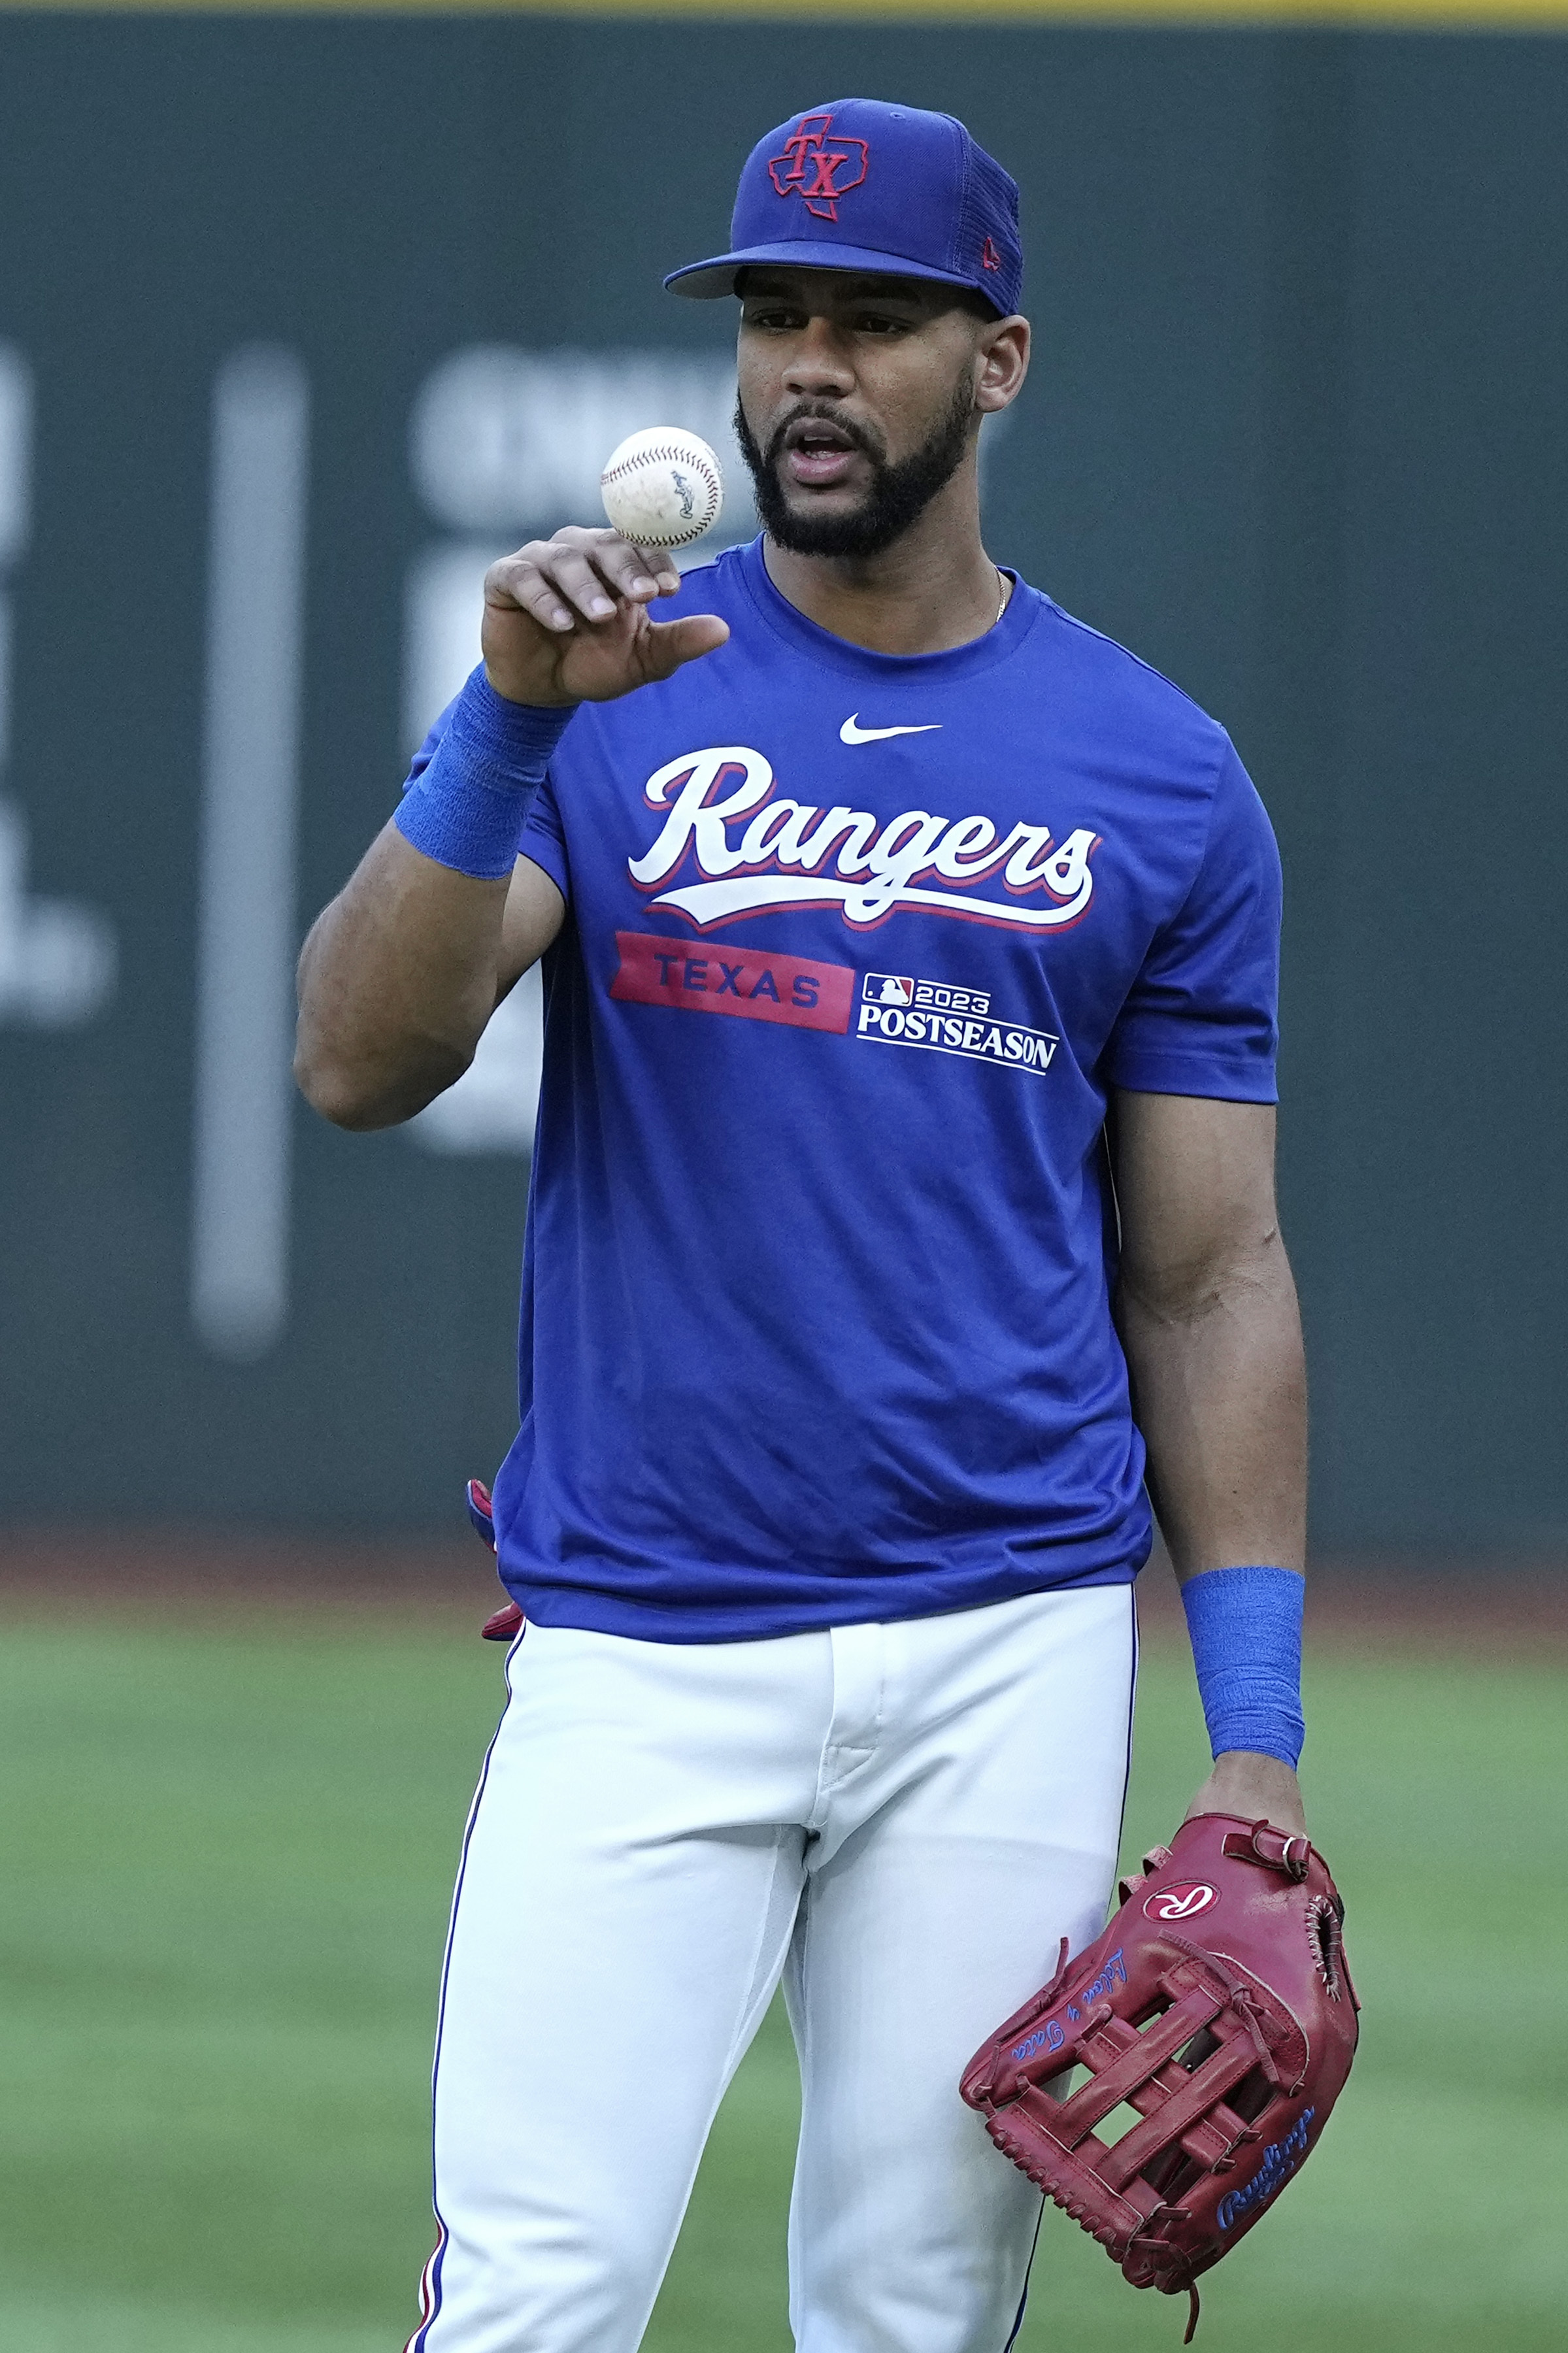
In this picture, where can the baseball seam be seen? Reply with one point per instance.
(669, 453)
(665, 454)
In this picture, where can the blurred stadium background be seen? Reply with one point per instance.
(303, 315)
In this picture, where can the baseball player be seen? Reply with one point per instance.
(902, 1220)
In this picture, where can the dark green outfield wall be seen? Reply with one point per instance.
(1295, 433)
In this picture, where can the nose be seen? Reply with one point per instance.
(819, 364)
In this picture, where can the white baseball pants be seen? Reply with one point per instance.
(904, 1819)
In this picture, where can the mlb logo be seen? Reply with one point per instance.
(889, 988)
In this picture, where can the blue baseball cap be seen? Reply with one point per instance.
(862, 186)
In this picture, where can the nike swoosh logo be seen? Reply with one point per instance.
(853, 733)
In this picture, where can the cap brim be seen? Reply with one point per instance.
(705, 281)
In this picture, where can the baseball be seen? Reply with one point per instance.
(662, 488)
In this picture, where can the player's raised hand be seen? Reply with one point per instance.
(567, 620)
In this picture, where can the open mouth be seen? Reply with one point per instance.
(817, 452)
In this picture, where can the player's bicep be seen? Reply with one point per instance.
(535, 912)
(1194, 1186)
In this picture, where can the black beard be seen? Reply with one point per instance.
(899, 493)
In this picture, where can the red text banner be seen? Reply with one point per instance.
(753, 983)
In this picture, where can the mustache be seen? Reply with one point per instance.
(896, 496)
(869, 443)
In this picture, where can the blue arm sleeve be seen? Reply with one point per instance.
(1245, 1627)
(474, 778)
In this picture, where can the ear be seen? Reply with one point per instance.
(1004, 355)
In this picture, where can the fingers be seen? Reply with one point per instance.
(579, 575)
(521, 581)
(592, 575)
(657, 563)
(668, 644)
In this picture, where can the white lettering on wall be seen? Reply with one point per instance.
(493, 1105)
(248, 921)
(513, 441)
(507, 445)
(444, 603)
(57, 958)
(16, 453)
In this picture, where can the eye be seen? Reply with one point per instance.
(775, 318)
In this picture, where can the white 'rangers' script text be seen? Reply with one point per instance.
(793, 854)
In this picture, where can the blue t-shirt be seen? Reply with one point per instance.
(815, 1302)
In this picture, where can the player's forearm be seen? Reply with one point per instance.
(396, 982)
(401, 974)
(1220, 1394)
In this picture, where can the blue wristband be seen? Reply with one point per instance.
(467, 808)
(1245, 1625)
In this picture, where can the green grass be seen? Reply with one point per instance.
(224, 1864)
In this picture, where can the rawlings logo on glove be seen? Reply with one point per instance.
(1217, 2004)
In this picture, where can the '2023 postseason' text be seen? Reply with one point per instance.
(895, 1009)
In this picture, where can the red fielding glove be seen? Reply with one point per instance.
(504, 1624)
(1217, 2004)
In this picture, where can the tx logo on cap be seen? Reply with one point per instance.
(1179, 1902)
(817, 170)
